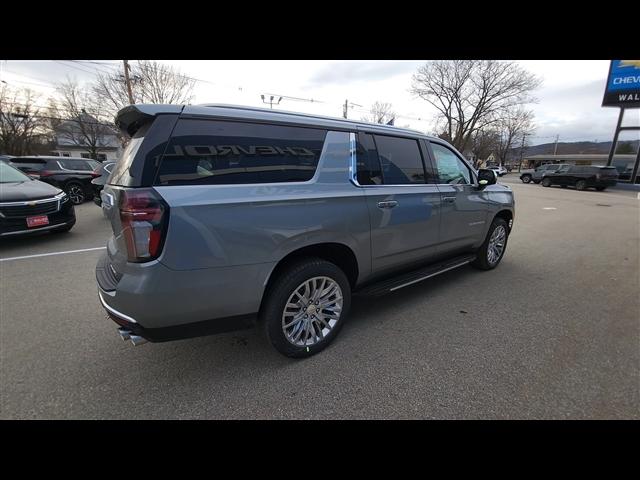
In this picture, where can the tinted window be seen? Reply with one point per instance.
(368, 167)
(28, 164)
(450, 168)
(400, 159)
(575, 169)
(75, 165)
(215, 152)
(108, 167)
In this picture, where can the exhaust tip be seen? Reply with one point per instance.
(136, 340)
(124, 334)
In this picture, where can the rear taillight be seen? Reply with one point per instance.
(95, 175)
(144, 217)
(45, 173)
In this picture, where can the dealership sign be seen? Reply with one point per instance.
(623, 84)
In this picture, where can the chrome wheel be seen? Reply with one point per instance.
(496, 244)
(312, 310)
(76, 194)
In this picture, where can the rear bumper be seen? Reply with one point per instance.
(178, 332)
(160, 304)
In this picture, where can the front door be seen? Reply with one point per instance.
(464, 208)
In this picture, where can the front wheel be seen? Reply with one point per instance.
(581, 185)
(306, 307)
(75, 193)
(494, 246)
(526, 178)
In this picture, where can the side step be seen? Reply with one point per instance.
(414, 276)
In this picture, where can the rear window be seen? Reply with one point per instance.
(82, 165)
(212, 152)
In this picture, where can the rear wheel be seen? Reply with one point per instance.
(306, 307)
(526, 178)
(581, 185)
(494, 246)
(546, 182)
(75, 193)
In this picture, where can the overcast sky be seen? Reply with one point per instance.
(569, 99)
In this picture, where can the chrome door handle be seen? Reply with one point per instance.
(449, 199)
(387, 204)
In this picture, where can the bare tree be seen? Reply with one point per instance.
(153, 82)
(512, 128)
(471, 95)
(76, 119)
(380, 113)
(21, 126)
(483, 144)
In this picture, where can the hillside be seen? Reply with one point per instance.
(570, 148)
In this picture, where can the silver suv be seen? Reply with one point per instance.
(226, 216)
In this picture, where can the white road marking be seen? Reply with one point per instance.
(549, 208)
(52, 253)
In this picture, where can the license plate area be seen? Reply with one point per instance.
(37, 221)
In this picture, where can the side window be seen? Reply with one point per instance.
(450, 168)
(400, 159)
(211, 152)
(368, 168)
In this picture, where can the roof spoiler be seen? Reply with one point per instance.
(132, 117)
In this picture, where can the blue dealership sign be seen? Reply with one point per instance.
(623, 84)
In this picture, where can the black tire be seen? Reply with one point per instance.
(281, 289)
(546, 182)
(526, 178)
(600, 189)
(482, 262)
(536, 182)
(581, 185)
(75, 192)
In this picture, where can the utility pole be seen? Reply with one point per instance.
(128, 81)
(271, 102)
(555, 149)
(524, 136)
(345, 107)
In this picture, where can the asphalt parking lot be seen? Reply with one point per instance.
(553, 332)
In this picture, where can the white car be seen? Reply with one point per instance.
(500, 171)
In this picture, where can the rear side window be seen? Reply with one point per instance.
(27, 165)
(212, 152)
(75, 165)
(400, 159)
(368, 167)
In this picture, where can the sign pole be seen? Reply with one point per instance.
(615, 137)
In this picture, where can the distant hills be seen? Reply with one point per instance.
(573, 148)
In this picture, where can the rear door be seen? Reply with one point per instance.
(464, 210)
(402, 198)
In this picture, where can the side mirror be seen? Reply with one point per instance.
(486, 177)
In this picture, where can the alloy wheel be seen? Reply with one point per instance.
(312, 311)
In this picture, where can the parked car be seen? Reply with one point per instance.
(500, 170)
(103, 170)
(223, 216)
(73, 175)
(536, 175)
(583, 177)
(28, 205)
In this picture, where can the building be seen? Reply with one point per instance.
(623, 163)
(70, 142)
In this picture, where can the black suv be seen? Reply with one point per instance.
(73, 175)
(582, 177)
